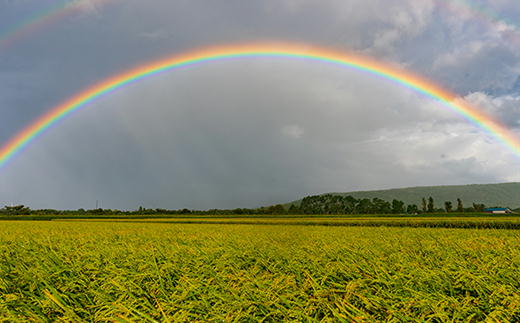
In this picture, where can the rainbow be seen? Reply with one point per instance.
(284, 51)
(64, 9)
(39, 20)
(486, 15)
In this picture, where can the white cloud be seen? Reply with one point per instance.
(89, 7)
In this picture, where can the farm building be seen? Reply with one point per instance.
(498, 210)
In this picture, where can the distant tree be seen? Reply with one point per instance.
(448, 207)
(97, 211)
(16, 210)
(412, 209)
(293, 209)
(424, 205)
(237, 211)
(397, 207)
(349, 204)
(364, 206)
(276, 209)
(460, 206)
(380, 206)
(431, 206)
(478, 207)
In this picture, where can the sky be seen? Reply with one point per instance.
(253, 132)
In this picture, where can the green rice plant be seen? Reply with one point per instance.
(511, 222)
(118, 271)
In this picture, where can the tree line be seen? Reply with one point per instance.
(338, 204)
(316, 204)
(24, 210)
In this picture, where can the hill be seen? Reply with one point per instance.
(503, 194)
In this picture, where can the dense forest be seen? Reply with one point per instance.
(338, 204)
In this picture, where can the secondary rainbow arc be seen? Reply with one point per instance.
(401, 77)
(58, 11)
(38, 20)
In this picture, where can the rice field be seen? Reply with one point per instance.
(477, 222)
(146, 271)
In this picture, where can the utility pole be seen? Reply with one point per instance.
(97, 203)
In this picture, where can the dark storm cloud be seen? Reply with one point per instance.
(250, 133)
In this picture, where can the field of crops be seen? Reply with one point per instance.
(99, 271)
(477, 222)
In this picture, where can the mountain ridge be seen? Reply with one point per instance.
(498, 194)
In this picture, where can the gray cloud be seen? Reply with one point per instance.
(252, 132)
(505, 108)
